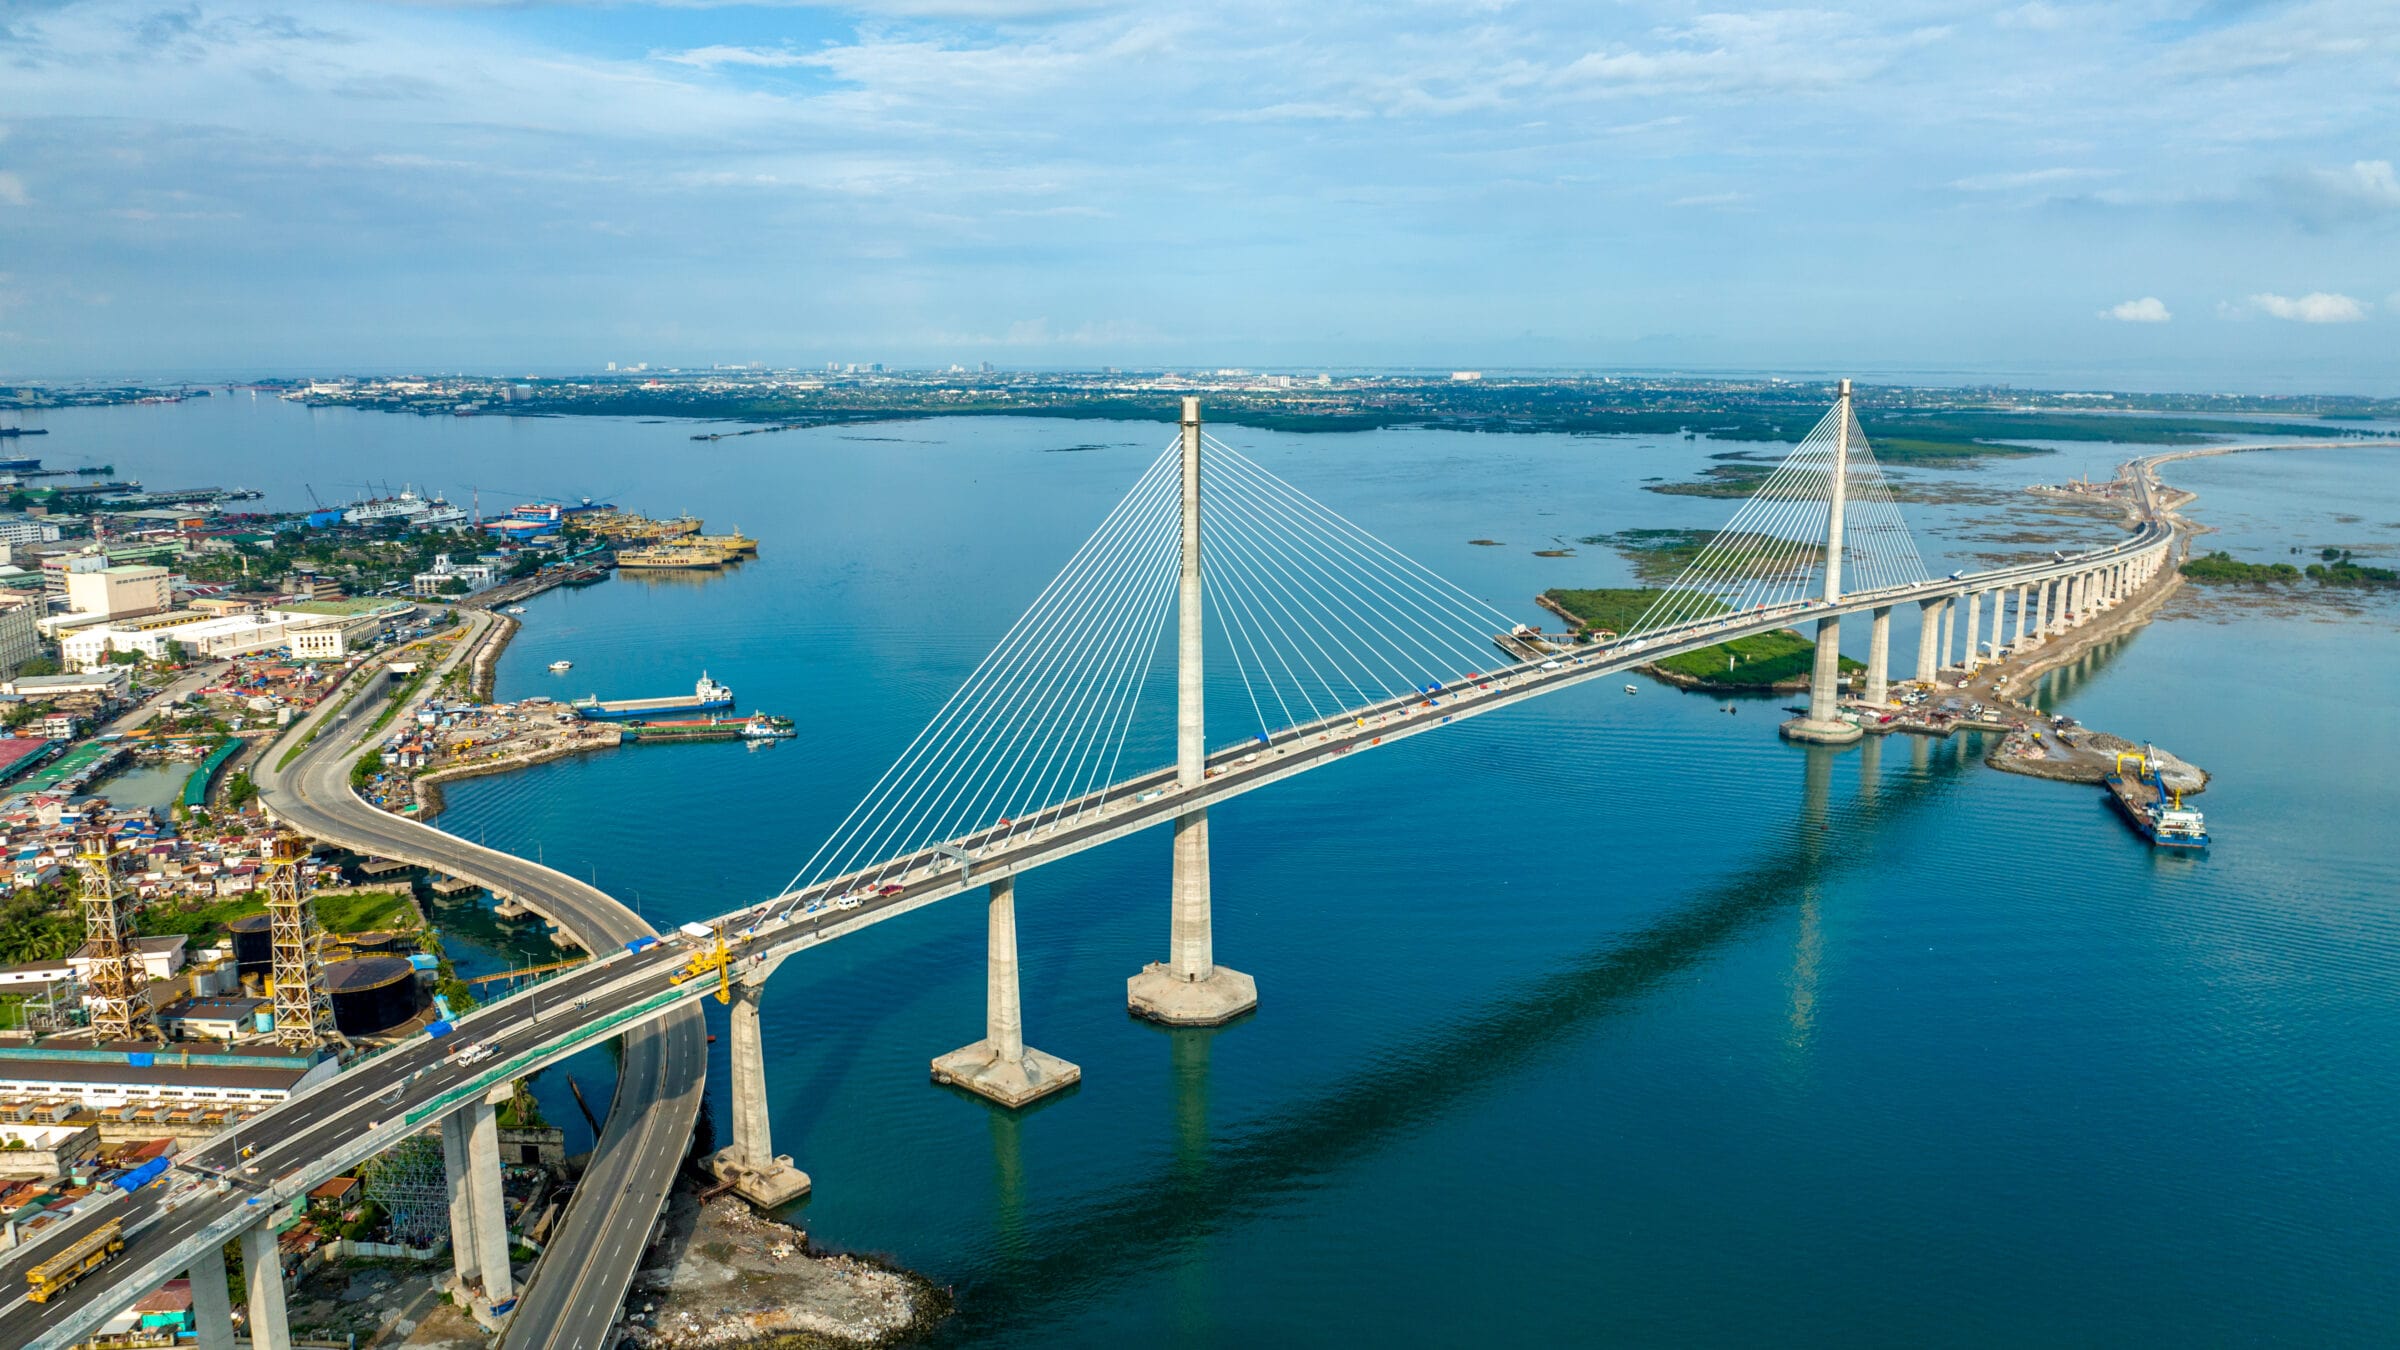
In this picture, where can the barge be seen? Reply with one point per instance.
(706, 696)
(2155, 811)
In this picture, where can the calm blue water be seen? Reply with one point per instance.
(1606, 1018)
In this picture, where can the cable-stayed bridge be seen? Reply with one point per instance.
(1083, 726)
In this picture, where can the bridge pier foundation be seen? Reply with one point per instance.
(758, 1174)
(1824, 724)
(262, 1275)
(212, 1307)
(1879, 656)
(1929, 624)
(1001, 1067)
(1189, 989)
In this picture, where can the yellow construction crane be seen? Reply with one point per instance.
(714, 957)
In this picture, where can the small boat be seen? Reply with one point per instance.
(561, 667)
(515, 609)
(761, 727)
(1631, 689)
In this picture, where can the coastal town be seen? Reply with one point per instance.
(177, 963)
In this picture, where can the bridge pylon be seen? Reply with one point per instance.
(1189, 988)
(1823, 725)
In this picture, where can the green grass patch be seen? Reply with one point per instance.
(1760, 661)
(365, 911)
(1618, 608)
(195, 920)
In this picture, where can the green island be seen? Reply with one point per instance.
(1663, 554)
(2338, 568)
(1779, 659)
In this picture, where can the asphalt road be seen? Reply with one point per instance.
(596, 1248)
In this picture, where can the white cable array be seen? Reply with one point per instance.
(1319, 616)
(1318, 612)
(1027, 707)
(1769, 555)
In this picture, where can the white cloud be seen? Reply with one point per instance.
(2148, 309)
(12, 190)
(2314, 307)
(709, 58)
(2010, 182)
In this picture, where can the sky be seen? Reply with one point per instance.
(2147, 193)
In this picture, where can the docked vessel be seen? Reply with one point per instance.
(734, 545)
(516, 609)
(2155, 810)
(762, 727)
(706, 696)
(561, 667)
(669, 557)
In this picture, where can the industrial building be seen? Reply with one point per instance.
(121, 592)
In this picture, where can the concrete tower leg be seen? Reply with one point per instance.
(1928, 629)
(212, 1307)
(750, 1162)
(1824, 725)
(2049, 615)
(262, 1274)
(1974, 623)
(1879, 657)
(455, 1172)
(491, 1202)
(1000, 1066)
(1189, 988)
(2024, 593)
(1942, 649)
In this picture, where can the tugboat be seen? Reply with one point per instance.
(2156, 811)
(762, 727)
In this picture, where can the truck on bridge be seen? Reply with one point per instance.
(85, 1255)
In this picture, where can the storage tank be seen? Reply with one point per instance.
(253, 943)
(371, 994)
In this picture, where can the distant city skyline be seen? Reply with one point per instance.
(2157, 195)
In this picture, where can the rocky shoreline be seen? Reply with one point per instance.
(725, 1278)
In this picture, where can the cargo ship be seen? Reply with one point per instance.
(706, 696)
(669, 557)
(2156, 811)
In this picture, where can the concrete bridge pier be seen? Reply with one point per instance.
(457, 1173)
(1929, 623)
(1879, 657)
(1189, 988)
(1968, 662)
(262, 1275)
(481, 1126)
(1001, 1066)
(212, 1307)
(759, 1175)
(2024, 593)
(1942, 649)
